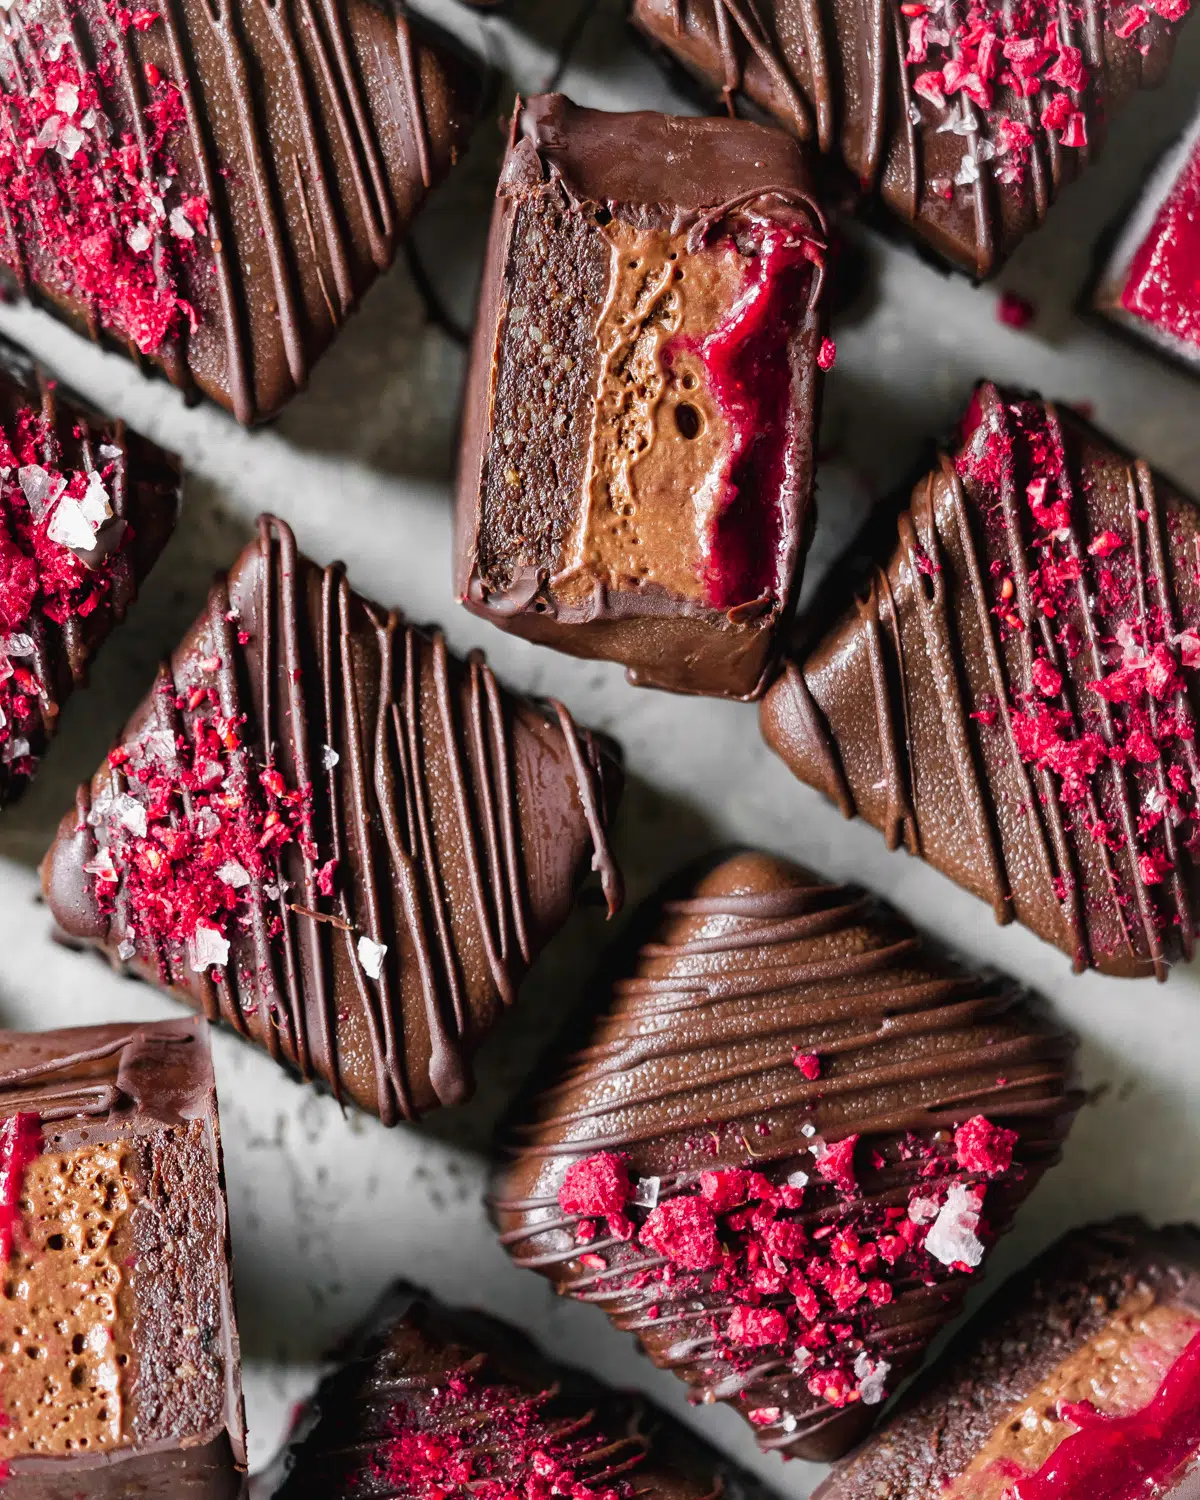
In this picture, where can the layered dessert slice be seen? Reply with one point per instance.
(637, 458)
(119, 1367)
(963, 123)
(438, 1404)
(1012, 695)
(1079, 1380)
(86, 506)
(781, 1152)
(212, 185)
(323, 829)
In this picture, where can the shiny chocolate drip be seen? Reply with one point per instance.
(839, 75)
(312, 130)
(941, 670)
(460, 820)
(696, 1067)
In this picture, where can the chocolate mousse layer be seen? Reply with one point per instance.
(1080, 1378)
(210, 186)
(438, 1404)
(323, 829)
(963, 124)
(119, 1367)
(637, 468)
(1012, 694)
(779, 1153)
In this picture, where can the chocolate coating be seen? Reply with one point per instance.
(1038, 1320)
(311, 130)
(694, 1067)
(408, 1348)
(840, 75)
(460, 820)
(148, 1091)
(911, 710)
(144, 493)
(597, 489)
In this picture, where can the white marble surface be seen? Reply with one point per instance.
(326, 1209)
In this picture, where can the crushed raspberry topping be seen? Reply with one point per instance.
(20, 1142)
(479, 1441)
(94, 213)
(193, 844)
(1131, 719)
(992, 70)
(46, 511)
(777, 1268)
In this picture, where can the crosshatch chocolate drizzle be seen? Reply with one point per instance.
(846, 82)
(1101, 863)
(306, 191)
(769, 1017)
(456, 818)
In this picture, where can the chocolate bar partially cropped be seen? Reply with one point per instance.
(637, 458)
(964, 122)
(1080, 1380)
(1012, 698)
(438, 1404)
(119, 1366)
(212, 185)
(326, 831)
(85, 509)
(1149, 287)
(784, 1148)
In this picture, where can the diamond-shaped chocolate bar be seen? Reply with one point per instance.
(85, 509)
(212, 185)
(120, 1372)
(782, 1151)
(637, 459)
(1013, 698)
(324, 830)
(964, 121)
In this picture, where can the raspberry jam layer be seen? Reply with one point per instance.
(1163, 285)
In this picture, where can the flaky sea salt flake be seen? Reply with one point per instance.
(139, 238)
(69, 142)
(329, 757)
(40, 488)
(645, 1191)
(370, 955)
(953, 1240)
(180, 225)
(95, 504)
(207, 949)
(66, 98)
(130, 814)
(234, 874)
(70, 527)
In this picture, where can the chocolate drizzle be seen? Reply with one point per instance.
(693, 1068)
(959, 786)
(840, 77)
(458, 820)
(311, 129)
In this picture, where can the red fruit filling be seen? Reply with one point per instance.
(193, 843)
(1163, 282)
(20, 1142)
(476, 1441)
(91, 211)
(45, 511)
(1132, 719)
(801, 1263)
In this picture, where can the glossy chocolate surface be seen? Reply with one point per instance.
(970, 164)
(366, 905)
(260, 164)
(998, 1378)
(636, 467)
(466, 1388)
(785, 1070)
(1011, 697)
(137, 1104)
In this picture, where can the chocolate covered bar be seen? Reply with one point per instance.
(781, 1152)
(87, 506)
(1012, 695)
(637, 456)
(439, 1404)
(326, 831)
(1149, 287)
(211, 185)
(963, 123)
(119, 1366)
(1080, 1380)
